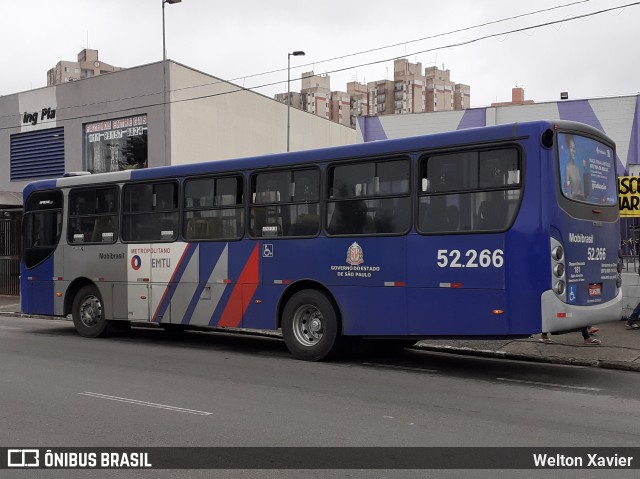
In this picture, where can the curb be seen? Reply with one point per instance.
(597, 363)
(462, 351)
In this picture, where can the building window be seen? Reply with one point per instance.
(115, 145)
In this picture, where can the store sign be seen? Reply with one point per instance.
(629, 196)
(115, 145)
(33, 117)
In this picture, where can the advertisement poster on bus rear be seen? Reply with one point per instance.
(587, 170)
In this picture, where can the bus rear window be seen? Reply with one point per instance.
(587, 170)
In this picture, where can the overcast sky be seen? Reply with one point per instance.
(594, 56)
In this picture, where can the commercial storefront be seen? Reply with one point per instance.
(126, 120)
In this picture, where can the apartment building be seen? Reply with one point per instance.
(444, 94)
(412, 90)
(358, 100)
(409, 87)
(316, 97)
(87, 66)
(381, 97)
(316, 94)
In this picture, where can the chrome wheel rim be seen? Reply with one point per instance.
(308, 325)
(90, 311)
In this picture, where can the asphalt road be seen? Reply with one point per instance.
(147, 389)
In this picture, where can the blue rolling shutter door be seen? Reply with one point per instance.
(37, 154)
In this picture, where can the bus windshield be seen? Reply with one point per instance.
(587, 170)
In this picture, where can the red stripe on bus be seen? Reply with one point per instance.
(242, 293)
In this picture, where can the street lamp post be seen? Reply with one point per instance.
(164, 76)
(297, 53)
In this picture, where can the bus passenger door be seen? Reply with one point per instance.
(131, 299)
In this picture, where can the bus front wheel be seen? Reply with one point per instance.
(310, 326)
(88, 313)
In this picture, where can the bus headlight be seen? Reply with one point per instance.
(559, 288)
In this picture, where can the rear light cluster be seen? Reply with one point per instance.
(558, 270)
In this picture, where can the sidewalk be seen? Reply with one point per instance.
(620, 348)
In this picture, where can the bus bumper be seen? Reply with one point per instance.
(560, 316)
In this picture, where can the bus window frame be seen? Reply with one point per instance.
(478, 149)
(250, 202)
(117, 213)
(123, 213)
(398, 156)
(238, 206)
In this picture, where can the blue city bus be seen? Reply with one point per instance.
(501, 231)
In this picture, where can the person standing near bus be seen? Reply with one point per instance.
(631, 322)
(586, 332)
(572, 178)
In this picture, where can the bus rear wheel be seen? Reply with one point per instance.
(88, 313)
(310, 326)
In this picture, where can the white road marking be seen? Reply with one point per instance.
(145, 403)
(537, 383)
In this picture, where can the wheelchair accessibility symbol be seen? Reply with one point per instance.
(267, 251)
(571, 296)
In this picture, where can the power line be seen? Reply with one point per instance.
(348, 55)
(241, 89)
(452, 45)
(492, 35)
(431, 37)
(522, 15)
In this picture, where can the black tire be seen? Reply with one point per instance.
(310, 326)
(88, 313)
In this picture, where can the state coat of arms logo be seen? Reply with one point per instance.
(355, 256)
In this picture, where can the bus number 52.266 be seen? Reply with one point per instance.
(470, 259)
